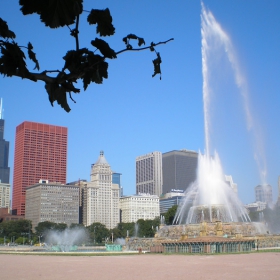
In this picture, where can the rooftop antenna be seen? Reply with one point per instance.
(1, 110)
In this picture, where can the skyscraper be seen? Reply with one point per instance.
(40, 153)
(149, 173)
(101, 196)
(178, 169)
(4, 151)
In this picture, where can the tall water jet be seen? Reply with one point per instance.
(216, 43)
(210, 198)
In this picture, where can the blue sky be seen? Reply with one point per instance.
(132, 114)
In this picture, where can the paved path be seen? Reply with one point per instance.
(146, 266)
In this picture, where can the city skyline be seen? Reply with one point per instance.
(133, 114)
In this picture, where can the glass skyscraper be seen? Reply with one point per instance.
(4, 151)
(178, 169)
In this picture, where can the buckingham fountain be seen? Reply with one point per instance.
(210, 206)
(210, 217)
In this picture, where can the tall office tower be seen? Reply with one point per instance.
(40, 153)
(264, 194)
(101, 196)
(4, 151)
(178, 169)
(149, 173)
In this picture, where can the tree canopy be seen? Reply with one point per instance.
(80, 63)
(15, 228)
(170, 214)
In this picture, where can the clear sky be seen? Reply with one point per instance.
(132, 114)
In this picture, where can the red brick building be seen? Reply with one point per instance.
(40, 153)
(6, 216)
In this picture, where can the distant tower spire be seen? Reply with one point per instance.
(1, 109)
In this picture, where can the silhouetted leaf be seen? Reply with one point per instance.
(134, 37)
(103, 20)
(104, 48)
(12, 61)
(31, 6)
(131, 36)
(4, 30)
(57, 93)
(141, 41)
(157, 63)
(73, 60)
(96, 73)
(54, 13)
(32, 56)
(68, 86)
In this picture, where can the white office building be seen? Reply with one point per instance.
(142, 206)
(5, 195)
(149, 173)
(101, 196)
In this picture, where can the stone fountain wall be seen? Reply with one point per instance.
(211, 229)
(183, 232)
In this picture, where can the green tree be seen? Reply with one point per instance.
(43, 227)
(80, 63)
(116, 232)
(15, 228)
(147, 228)
(123, 229)
(4, 240)
(73, 226)
(170, 214)
(98, 232)
(255, 215)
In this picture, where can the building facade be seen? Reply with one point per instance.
(101, 196)
(40, 153)
(141, 206)
(81, 183)
(52, 202)
(170, 199)
(5, 195)
(4, 151)
(178, 169)
(256, 206)
(264, 194)
(149, 173)
(116, 179)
